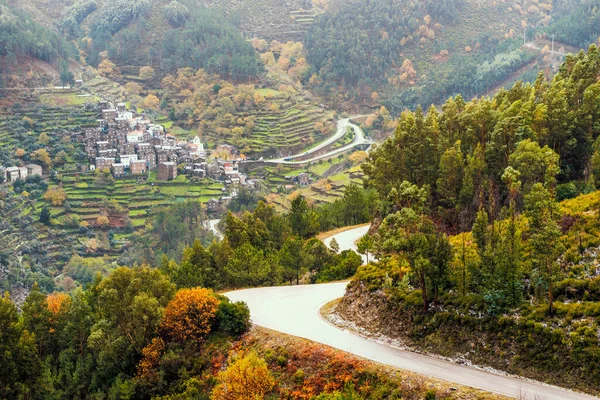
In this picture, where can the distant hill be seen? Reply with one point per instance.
(29, 50)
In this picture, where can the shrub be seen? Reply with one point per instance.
(233, 318)
(246, 378)
(190, 314)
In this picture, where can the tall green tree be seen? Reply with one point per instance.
(543, 213)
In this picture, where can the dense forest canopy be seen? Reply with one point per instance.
(461, 154)
(190, 36)
(21, 36)
(576, 22)
(363, 39)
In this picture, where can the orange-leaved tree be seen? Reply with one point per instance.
(150, 357)
(58, 305)
(58, 302)
(190, 314)
(247, 378)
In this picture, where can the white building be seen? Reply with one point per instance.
(126, 159)
(135, 137)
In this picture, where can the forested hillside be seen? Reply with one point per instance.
(520, 269)
(405, 53)
(461, 155)
(23, 40)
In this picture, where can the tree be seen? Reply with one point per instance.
(21, 366)
(195, 268)
(365, 245)
(176, 13)
(451, 175)
(133, 88)
(534, 163)
(414, 237)
(543, 213)
(107, 68)
(291, 259)
(60, 158)
(56, 196)
(45, 215)
(130, 303)
(303, 219)
(190, 315)
(67, 77)
(334, 246)
(247, 378)
(355, 203)
(42, 156)
(102, 221)
(151, 102)
(43, 139)
(146, 73)
(36, 318)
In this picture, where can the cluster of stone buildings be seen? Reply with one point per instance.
(11, 174)
(129, 144)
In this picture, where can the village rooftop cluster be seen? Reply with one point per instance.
(127, 143)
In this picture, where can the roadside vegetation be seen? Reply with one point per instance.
(477, 257)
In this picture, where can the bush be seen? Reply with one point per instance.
(233, 318)
(566, 191)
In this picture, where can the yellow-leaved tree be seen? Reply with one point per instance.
(247, 378)
(190, 314)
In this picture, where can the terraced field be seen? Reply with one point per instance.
(289, 130)
(45, 119)
(126, 201)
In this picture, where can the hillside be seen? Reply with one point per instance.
(426, 53)
(30, 53)
(486, 232)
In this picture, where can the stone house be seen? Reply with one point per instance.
(109, 115)
(118, 170)
(167, 171)
(22, 172)
(126, 159)
(34, 169)
(12, 174)
(104, 162)
(138, 167)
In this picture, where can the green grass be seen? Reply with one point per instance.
(268, 93)
(66, 99)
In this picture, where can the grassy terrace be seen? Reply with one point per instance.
(125, 202)
(291, 128)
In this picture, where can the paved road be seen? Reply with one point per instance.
(212, 225)
(347, 240)
(342, 127)
(295, 310)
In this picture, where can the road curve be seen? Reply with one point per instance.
(347, 240)
(342, 126)
(294, 310)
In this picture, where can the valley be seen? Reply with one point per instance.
(300, 199)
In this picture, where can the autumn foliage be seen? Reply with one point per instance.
(190, 314)
(58, 302)
(247, 378)
(150, 357)
(56, 196)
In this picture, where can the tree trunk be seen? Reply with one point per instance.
(424, 292)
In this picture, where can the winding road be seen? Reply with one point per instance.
(294, 310)
(342, 127)
(347, 240)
